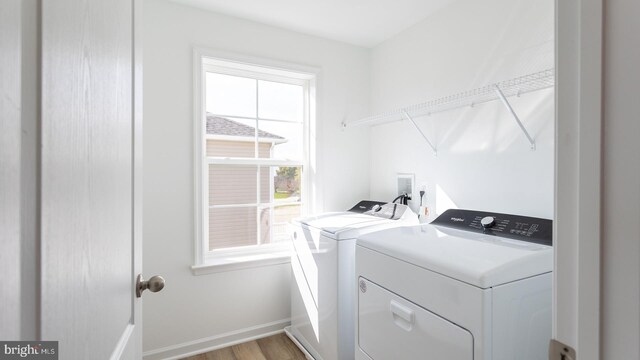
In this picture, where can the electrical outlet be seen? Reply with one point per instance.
(560, 351)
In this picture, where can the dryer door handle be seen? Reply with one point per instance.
(402, 315)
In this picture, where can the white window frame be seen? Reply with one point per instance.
(205, 60)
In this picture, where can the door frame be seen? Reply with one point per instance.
(577, 233)
(10, 164)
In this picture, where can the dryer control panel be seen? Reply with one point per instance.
(524, 228)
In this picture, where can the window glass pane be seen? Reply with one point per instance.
(233, 184)
(233, 137)
(286, 138)
(280, 198)
(251, 205)
(230, 95)
(282, 215)
(280, 101)
(280, 184)
(286, 184)
(232, 227)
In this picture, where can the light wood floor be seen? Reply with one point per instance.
(276, 347)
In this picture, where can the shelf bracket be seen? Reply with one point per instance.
(433, 148)
(515, 116)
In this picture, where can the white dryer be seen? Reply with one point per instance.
(470, 285)
(323, 280)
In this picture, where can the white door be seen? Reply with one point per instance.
(89, 179)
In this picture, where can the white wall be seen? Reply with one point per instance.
(483, 161)
(620, 249)
(192, 308)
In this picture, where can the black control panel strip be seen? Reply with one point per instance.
(524, 228)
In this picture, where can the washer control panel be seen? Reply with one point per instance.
(383, 210)
(391, 211)
(524, 228)
(366, 205)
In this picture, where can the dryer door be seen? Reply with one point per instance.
(390, 327)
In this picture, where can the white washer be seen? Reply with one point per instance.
(323, 285)
(470, 285)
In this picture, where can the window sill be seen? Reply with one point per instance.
(241, 261)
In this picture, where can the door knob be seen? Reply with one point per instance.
(155, 284)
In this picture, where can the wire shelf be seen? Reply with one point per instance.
(513, 87)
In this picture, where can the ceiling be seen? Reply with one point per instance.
(359, 22)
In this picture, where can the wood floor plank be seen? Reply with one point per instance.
(221, 354)
(248, 351)
(276, 347)
(279, 347)
(298, 354)
(196, 357)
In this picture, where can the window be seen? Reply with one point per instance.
(252, 151)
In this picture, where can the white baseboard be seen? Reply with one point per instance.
(199, 346)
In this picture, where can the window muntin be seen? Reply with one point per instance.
(249, 202)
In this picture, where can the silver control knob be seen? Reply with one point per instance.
(488, 221)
